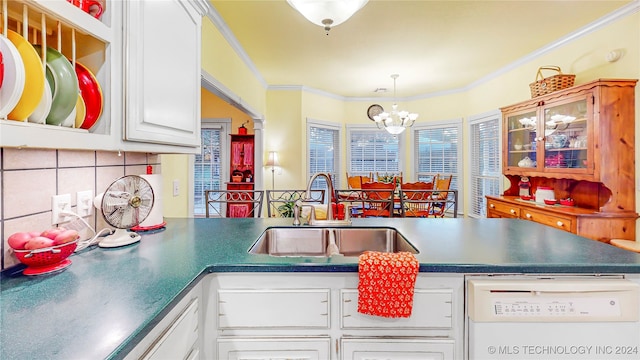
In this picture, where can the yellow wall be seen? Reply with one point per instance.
(221, 61)
(175, 167)
(215, 108)
(283, 133)
(286, 111)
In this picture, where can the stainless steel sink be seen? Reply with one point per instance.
(351, 241)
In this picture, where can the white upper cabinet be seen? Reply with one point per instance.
(145, 56)
(79, 37)
(162, 72)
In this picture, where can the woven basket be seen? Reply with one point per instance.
(545, 85)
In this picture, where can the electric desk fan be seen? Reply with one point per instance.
(125, 204)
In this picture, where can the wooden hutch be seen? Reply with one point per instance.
(580, 142)
(242, 169)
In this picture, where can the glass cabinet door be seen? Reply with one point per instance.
(565, 135)
(521, 141)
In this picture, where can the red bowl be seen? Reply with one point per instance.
(567, 202)
(550, 201)
(46, 260)
(526, 197)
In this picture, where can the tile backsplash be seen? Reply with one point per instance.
(30, 177)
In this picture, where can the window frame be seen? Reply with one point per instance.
(223, 124)
(337, 152)
(472, 121)
(351, 128)
(456, 123)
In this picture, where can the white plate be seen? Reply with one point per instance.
(70, 121)
(39, 115)
(14, 77)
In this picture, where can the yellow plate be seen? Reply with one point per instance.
(81, 111)
(13, 82)
(34, 81)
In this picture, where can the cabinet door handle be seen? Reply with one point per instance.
(560, 224)
(492, 206)
(512, 211)
(528, 216)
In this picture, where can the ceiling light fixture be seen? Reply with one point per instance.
(396, 121)
(327, 13)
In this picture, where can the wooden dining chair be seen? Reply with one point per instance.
(365, 179)
(416, 198)
(442, 184)
(354, 182)
(378, 199)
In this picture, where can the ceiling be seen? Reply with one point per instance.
(434, 46)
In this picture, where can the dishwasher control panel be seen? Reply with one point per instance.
(535, 306)
(553, 300)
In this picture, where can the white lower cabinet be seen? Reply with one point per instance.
(274, 348)
(273, 308)
(397, 349)
(177, 336)
(432, 309)
(314, 316)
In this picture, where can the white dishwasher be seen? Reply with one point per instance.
(553, 318)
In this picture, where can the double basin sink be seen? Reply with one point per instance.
(315, 241)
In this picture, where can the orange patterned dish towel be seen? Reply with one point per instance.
(386, 282)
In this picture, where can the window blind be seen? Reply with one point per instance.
(437, 152)
(207, 168)
(373, 151)
(324, 152)
(485, 162)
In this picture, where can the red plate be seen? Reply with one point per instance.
(91, 94)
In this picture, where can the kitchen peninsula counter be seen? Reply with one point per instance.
(108, 299)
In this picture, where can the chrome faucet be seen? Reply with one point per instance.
(329, 190)
(330, 220)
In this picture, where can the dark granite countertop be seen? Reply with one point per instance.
(108, 299)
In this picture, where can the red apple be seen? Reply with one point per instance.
(65, 237)
(53, 232)
(18, 240)
(38, 242)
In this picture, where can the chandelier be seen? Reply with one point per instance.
(396, 121)
(327, 13)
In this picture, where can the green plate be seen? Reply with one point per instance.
(64, 86)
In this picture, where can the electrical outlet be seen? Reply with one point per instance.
(176, 188)
(60, 203)
(84, 203)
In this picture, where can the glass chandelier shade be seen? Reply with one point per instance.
(396, 121)
(327, 13)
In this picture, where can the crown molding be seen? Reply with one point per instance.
(216, 19)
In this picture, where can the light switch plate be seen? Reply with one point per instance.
(176, 187)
